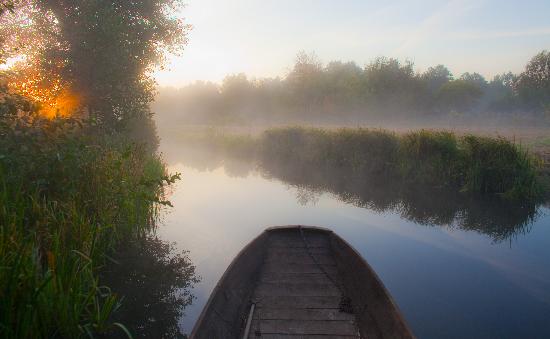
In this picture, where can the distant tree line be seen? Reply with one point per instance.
(384, 89)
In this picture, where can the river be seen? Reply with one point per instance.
(456, 267)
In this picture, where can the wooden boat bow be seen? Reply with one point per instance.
(300, 281)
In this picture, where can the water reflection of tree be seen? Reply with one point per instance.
(496, 218)
(155, 284)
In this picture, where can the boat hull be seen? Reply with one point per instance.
(300, 281)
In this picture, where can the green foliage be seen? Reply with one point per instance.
(533, 85)
(69, 194)
(435, 77)
(477, 165)
(494, 165)
(114, 78)
(368, 151)
(12, 103)
(103, 52)
(384, 90)
(458, 95)
(430, 157)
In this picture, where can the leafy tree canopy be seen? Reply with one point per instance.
(104, 51)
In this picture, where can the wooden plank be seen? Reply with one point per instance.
(295, 240)
(300, 302)
(295, 234)
(304, 258)
(302, 314)
(298, 268)
(300, 249)
(296, 289)
(304, 327)
(318, 278)
(299, 336)
(319, 243)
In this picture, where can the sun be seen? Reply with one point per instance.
(53, 95)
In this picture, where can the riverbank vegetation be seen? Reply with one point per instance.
(500, 217)
(478, 165)
(80, 177)
(383, 91)
(68, 198)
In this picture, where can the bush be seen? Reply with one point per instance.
(69, 194)
(479, 165)
(430, 157)
(497, 166)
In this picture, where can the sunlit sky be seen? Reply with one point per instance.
(262, 37)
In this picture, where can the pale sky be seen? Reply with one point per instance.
(262, 37)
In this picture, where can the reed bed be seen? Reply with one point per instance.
(480, 165)
(485, 166)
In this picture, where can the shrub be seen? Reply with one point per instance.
(430, 157)
(69, 194)
(497, 166)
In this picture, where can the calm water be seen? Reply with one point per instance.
(456, 267)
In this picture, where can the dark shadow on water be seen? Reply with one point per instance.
(155, 284)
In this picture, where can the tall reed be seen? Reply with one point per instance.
(479, 165)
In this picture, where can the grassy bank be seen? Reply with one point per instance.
(69, 195)
(480, 165)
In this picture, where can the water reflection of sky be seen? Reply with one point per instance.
(448, 282)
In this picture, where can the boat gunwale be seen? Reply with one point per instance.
(222, 279)
(396, 309)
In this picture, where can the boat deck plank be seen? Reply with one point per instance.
(303, 327)
(278, 267)
(297, 289)
(299, 302)
(296, 295)
(307, 336)
(316, 277)
(301, 314)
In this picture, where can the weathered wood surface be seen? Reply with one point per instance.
(297, 287)
(294, 295)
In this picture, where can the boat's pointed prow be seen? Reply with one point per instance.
(300, 281)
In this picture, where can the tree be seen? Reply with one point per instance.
(104, 50)
(500, 93)
(533, 84)
(458, 96)
(390, 86)
(26, 34)
(305, 82)
(113, 46)
(435, 77)
(342, 83)
(475, 78)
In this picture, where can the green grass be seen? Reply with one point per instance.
(490, 166)
(68, 196)
(480, 165)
